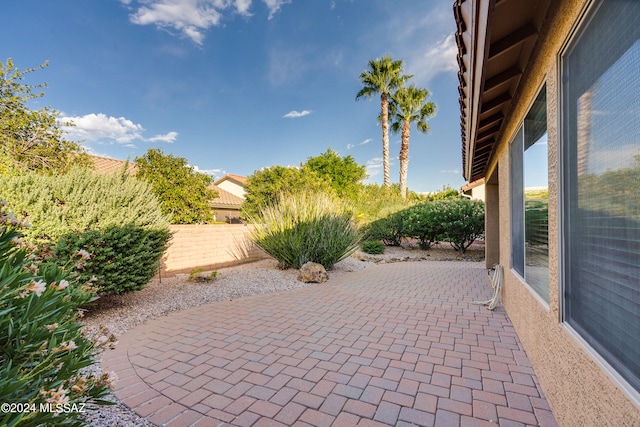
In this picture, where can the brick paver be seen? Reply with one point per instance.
(395, 344)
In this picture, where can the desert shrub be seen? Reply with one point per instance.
(376, 201)
(304, 227)
(446, 193)
(119, 258)
(462, 221)
(198, 275)
(43, 351)
(373, 247)
(80, 201)
(389, 229)
(423, 222)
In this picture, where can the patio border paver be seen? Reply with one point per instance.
(394, 344)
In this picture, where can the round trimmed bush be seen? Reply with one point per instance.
(373, 247)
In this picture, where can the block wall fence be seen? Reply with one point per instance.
(210, 247)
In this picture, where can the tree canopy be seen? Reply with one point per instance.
(344, 174)
(327, 173)
(31, 140)
(183, 192)
(409, 105)
(265, 186)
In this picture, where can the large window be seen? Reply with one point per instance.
(601, 187)
(530, 199)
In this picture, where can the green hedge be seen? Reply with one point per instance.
(79, 201)
(120, 259)
(457, 221)
(115, 219)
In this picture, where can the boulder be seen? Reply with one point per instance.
(312, 272)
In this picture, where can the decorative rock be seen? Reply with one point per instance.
(312, 272)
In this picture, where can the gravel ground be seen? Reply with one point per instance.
(159, 298)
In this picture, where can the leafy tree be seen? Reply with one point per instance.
(408, 105)
(383, 76)
(264, 186)
(183, 193)
(343, 173)
(31, 139)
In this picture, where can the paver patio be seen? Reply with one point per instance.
(395, 344)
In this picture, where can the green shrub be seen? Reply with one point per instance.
(80, 201)
(373, 247)
(423, 222)
(462, 221)
(119, 258)
(377, 201)
(197, 275)
(389, 229)
(42, 349)
(305, 227)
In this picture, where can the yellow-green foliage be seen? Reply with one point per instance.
(79, 201)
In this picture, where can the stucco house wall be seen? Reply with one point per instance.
(581, 389)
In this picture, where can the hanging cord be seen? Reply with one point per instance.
(496, 284)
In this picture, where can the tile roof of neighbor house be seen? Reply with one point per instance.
(224, 199)
(237, 178)
(108, 166)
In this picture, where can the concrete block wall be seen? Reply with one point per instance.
(209, 247)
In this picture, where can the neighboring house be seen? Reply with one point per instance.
(549, 95)
(234, 184)
(226, 206)
(474, 190)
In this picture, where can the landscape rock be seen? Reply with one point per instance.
(312, 272)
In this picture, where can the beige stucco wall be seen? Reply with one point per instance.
(579, 389)
(209, 247)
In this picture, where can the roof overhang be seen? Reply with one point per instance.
(495, 39)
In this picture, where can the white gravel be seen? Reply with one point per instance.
(159, 298)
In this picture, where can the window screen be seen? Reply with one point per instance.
(601, 154)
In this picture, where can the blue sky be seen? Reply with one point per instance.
(237, 85)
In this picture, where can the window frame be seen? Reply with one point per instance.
(563, 150)
(517, 164)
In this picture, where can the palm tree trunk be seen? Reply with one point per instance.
(404, 157)
(384, 118)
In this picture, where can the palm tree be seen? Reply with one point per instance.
(382, 77)
(408, 105)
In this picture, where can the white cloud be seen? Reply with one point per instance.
(191, 18)
(295, 114)
(169, 137)
(436, 59)
(374, 166)
(214, 173)
(95, 127)
(456, 171)
(425, 42)
(366, 141)
(274, 6)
